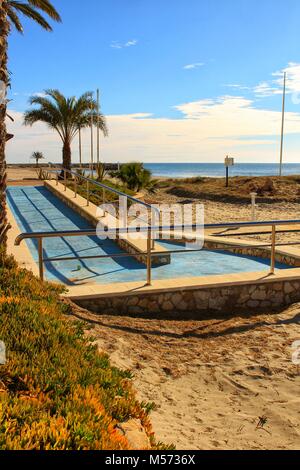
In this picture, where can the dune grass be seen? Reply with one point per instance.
(56, 390)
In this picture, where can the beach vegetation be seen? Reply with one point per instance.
(135, 177)
(100, 172)
(96, 192)
(57, 391)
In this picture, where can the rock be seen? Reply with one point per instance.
(288, 288)
(215, 304)
(167, 306)
(259, 295)
(133, 301)
(253, 304)
(266, 304)
(143, 303)
(135, 434)
(177, 298)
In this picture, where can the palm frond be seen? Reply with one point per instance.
(65, 115)
(47, 8)
(15, 20)
(103, 124)
(30, 10)
(31, 13)
(57, 96)
(36, 115)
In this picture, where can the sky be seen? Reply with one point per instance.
(180, 81)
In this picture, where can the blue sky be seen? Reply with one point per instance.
(159, 58)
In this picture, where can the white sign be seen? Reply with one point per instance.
(229, 161)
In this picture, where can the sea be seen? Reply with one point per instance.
(217, 170)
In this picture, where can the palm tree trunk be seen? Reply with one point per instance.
(4, 80)
(67, 157)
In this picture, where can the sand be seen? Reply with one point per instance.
(218, 383)
(21, 174)
(223, 212)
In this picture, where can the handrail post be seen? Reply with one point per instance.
(41, 263)
(149, 259)
(65, 180)
(152, 222)
(273, 250)
(103, 201)
(88, 192)
(75, 184)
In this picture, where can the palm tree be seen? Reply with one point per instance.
(37, 156)
(135, 177)
(64, 115)
(9, 16)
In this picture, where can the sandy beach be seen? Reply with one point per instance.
(218, 383)
(21, 174)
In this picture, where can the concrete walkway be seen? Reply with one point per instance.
(96, 216)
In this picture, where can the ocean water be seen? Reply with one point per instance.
(189, 170)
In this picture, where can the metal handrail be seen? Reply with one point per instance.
(150, 230)
(106, 188)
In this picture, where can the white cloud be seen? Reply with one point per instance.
(238, 86)
(118, 45)
(206, 131)
(265, 89)
(37, 93)
(196, 65)
(133, 42)
(274, 86)
(293, 77)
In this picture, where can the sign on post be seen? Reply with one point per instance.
(229, 162)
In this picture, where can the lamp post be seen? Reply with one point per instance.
(98, 127)
(282, 125)
(92, 143)
(80, 147)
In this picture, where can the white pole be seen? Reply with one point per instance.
(80, 148)
(92, 143)
(253, 206)
(282, 125)
(98, 127)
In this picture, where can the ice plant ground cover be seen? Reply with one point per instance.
(56, 390)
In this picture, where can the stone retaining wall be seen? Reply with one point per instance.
(263, 295)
